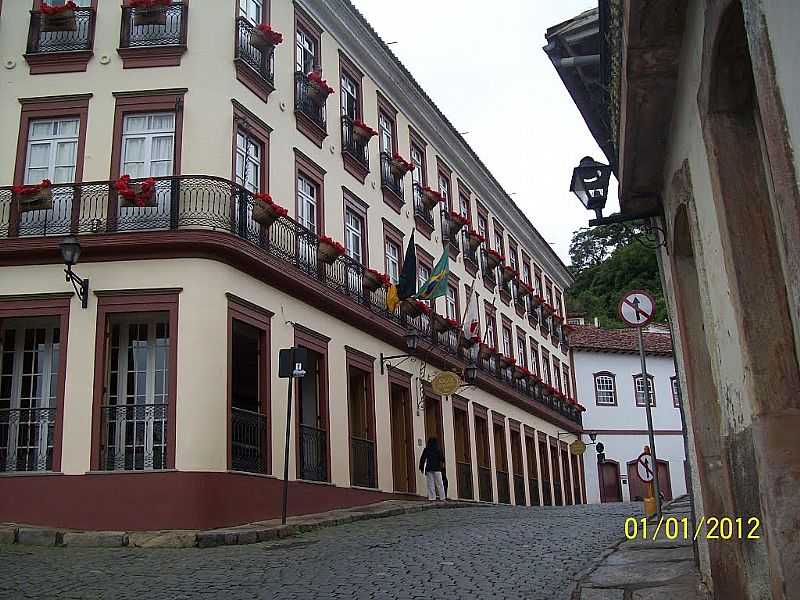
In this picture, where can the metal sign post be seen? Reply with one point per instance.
(636, 309)
(292, 361)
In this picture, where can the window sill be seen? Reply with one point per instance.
(29, 473)
(42, 63)
(136, 472)
(151, 56)
(254, 82)
(250, 473)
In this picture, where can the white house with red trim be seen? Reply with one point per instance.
(609, 384)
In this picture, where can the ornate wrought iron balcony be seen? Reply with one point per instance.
(248, 435)
(313, 453)
(203, 203)
(260, 60)
(161, 27)
(356, 147)
(419, 208)
(363, 455)
(307, 103)
(81, 37)
(389, 179)
(26, 439)
(134, 437)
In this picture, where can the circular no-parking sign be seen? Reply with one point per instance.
(637, 308)
(644, 467)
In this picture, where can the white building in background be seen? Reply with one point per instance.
(609, 384)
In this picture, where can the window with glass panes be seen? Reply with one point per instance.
(522, 352)
(248, 161)
(549, 292)
(546, 367)
(307, 200)
(491, 326)
(639, 390)
(52, 150)
(452, 303)
(148, 144)
(604, 389)
(354, 235)
(444, 188)
(305, 52)
(534, 357)
(567, 382)
(557, 374)
(676, 397)
(483, 226)
(423, 272)
(418, 174)
(508, 349)
(392, 260)
(253, 10)
(526, 278)
(349, 99)
(386, 133)
(498, 240)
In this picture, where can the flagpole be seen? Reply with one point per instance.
(466, 308)
(494, 304)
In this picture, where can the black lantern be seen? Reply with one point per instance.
(412, 342)
(470, 372)
(71, 252)
(412, 338)
(590, 184)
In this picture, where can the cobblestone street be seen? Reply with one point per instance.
(486, 552)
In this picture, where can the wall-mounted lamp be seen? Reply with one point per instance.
(71, 252)
(412, 342)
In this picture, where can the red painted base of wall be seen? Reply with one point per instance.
(165, 500)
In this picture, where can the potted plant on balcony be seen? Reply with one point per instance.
(149, 12)
(430, 198)
(399, 166)
(521, 373)
(536, 301)
(486, 351)
(375, 279)
(523, 290)
(493, 258)
(140, 195)
(58, 18)
(265, 211)
(547, 309)
(329, 249)
(413, 308)
(265, 38)
(506, 361)
(475, 239)
(34, 197)
(317, 87)
(455, 222)
(442, 324)
(362, 131)
(509, 273)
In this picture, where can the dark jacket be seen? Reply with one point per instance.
(431, 460)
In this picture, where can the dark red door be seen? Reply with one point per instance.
(610, 490)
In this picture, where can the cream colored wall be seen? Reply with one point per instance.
(207, 71)
(202, 365)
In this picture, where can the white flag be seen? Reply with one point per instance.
(471, 322)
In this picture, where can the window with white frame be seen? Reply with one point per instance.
(567, 380)
(546, 367)
(676, 395)
(444, 188)
(491, 337)
(386, 133)
(605, 391)
(522, 352)
(417, 159)
(483, 226)
(452, 303)
(557, 374)
(305, 52)
(354, 235)
(534, 358)
(307, 199)
(248, 161)
(423, 273)
(137, 392)
(349, 93)
(52, 151)
(148, 144)
(29, 360)
(508, 349)
(392, 261)
(253, 10)
(639, 390)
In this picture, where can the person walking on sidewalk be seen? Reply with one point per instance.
(431, 463)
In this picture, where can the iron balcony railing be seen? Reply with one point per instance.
(519, 490)
(470, 256)
(308, 103)
(484, 484)
(464, 480)
(389, 179)
(81, 37)
(262, 61)
(363, 454)
(503, 492)
(196, 202)
(357, 147)
(248, 437)
(419, 208)
(134, 437)
(162, 26)
(26, 439)
(533, 489)
(313, 453)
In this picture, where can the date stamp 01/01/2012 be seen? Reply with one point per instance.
(710, 528)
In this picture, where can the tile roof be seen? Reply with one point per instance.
(596, 339)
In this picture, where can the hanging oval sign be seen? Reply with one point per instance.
(577, 448)
(445, 383)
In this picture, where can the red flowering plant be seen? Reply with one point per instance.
(265, 211)
(324, 240)
(493, 258)
(362, 130)
(430, 198)
(507, 361)
(522, 373)
(509, 273)
(148, 4)
(557, 318)
(136, 194)
(319, 85)
(475, 239)
(30, 190)
(486, 351)
(400, 166)
(269, 35)
(57, 10)
(441, 324)
(375, 279)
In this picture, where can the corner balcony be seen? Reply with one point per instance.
(210, 217)
(60, 45)
(153, 38)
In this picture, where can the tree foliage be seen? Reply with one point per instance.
(607, 261)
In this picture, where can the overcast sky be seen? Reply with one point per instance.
(483, 65)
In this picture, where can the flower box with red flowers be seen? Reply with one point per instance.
(475, 239)
(265, 211)
(58, 18)
(455, 222)
(522, 373)
(568, 329)
(430, 198)
(547, 309)
(329, 249)
(264, 37)
(34, 197)
(558, 318)
(149, 12)
(536, 300)
(375, 279)
(318, 87)
(486, 351)
(506, 361)
(414, 308)
(493, 258)
(363, 131)
(509, 273)
(439, 323)
(400, 166)
(523, 290)
(139, 195)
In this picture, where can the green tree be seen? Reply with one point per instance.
(607, 261)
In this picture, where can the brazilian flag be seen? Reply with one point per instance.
(436, 285)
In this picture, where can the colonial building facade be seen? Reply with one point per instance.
(158, 403)
(608, 375)
(697, 112)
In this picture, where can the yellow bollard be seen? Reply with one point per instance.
(650, 506)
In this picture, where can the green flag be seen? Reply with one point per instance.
(436, 285)
(407, 286)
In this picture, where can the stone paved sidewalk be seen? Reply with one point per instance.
(646, 569)
(251, 533)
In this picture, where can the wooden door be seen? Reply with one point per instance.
(610, 489)
(402, 440)
(637, 487)
(664, 481)
(547, 497)
(533, 479)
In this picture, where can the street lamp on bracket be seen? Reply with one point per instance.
(70, 253)
(412, 343)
